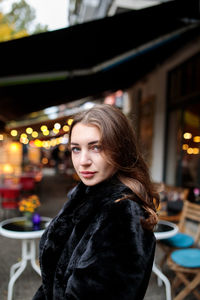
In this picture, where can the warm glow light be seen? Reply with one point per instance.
(24, 140)
(45, 160)
(57, 126)
(38, 143)
(34, 134)
(69, 122)
(55, 130)
(32, 144)
(196, 139)
(190, 150)
(45, 132)
(7, 168)
(66, 128)
(14, 147)
(45, 144)
(58, 140)
(43, 127)
(13, 132)
(185, 146)
(53, 142)
(187, 135)
(1, 137)
(195, 150)
(23, 136)
(62, 148)
(29, 130)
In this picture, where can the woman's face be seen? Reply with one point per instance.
(87, 157)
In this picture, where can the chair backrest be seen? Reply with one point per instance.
(190, 212)
(28, 183)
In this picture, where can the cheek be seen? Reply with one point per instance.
(106, 168)
(74, 161)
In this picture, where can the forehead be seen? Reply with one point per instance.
(82, 133)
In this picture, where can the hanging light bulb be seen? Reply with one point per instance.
(187, 135)
(14, 132)
(57, 126)
(69, 122)
(29, 130)
(34, 134)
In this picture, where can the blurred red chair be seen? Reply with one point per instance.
(28, 184)
(9, 200)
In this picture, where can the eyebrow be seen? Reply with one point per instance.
(90, 143)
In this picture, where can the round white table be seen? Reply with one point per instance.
(164, 230)
(16, 228)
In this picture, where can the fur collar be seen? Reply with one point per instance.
(91, 198)
(83, 204)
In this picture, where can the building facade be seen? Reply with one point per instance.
(165, 107)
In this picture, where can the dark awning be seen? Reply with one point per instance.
(91, 58)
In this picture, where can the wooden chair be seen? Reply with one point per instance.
(172, 195)
(186, 262)
(185, 238)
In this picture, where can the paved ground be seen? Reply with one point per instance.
(52, 192)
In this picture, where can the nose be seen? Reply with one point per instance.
(85, 158)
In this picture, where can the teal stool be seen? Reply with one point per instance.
(186, 265)
(180, 240)
(187, 258)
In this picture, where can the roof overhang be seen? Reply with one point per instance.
(93, 58)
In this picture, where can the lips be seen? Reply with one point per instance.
(87, 174)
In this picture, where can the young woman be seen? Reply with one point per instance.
(101, 245)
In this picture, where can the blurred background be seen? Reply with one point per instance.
(62, 57)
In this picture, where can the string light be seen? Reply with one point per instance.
(29, 130)
(34, 134)
(190, 150)
(38, 143)
(187, 135)
(56, 130)
(185, 146)
(57, 126)
(14, 132)
(195, 150)
(43, 128)
(24, 140)
(23, 136)
(196, 139)
(69, 122)
(66, 128)
(46, 132)
(53, 142)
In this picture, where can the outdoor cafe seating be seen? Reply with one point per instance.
(182, 251)
(185, 262)
(13, 188)
(184, 238)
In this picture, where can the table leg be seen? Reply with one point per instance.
(14, 267)
(14, 278)
(28, 253)
(164, 279)
(33, 257)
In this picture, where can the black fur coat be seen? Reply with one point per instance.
(96, 249)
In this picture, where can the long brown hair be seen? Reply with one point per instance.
(120, 148)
